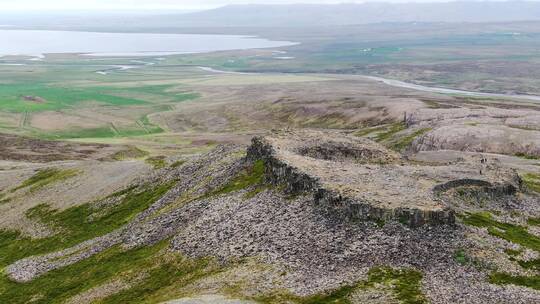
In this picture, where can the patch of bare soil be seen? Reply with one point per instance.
(34, 99)
(18, 148)
(61, 120)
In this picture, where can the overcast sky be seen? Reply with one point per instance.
(153, 4)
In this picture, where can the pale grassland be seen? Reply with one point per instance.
(254, 79)
(157, 144)
(216, 79)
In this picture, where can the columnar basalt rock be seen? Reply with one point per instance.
(280, 173)
(497, 189)
(352, 209)
(363, 180)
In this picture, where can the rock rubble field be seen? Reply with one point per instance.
(307, 214)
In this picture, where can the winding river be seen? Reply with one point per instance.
(401, 84)
(417, 87)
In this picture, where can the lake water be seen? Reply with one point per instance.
(37, 43)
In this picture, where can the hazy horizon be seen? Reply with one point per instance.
(137, 5)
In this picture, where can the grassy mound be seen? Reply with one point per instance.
(46, 177)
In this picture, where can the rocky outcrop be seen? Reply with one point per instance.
(481, 138)
(201, 175)
(276, 242)
(353, 209)
(278, 172)
(480, 129)
(486, 187)
(284, 168)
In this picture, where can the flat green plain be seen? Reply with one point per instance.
(66, 99)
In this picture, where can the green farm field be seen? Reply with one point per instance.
(38, 100)
(116, 101)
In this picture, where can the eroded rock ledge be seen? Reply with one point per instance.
(358, 179)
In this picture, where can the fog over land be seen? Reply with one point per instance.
(350, 14)
(161, 4)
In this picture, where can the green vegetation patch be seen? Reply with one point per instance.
(59, 285)
(251, 176)
(405, 284)
(461, 257)
(368, 131)
(149, 270)
(532, 181)
(131, 152)
(406, 141)
(77, 223)
(531, 264)
(515, 234)
(164, 280)
(432, 104)
(505, 278)
(150, 93)
(3, 199)
(390, 131)
(527, 156)
(383, 132)
(512, 233)
(512, 252)
(339, 296)
(33, 97)
(534, 221)
(148, 126)
(158, 162)
(103, 132)
(46, 177)
(178, 163)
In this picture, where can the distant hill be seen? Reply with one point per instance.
(293, 15)
(350, 14)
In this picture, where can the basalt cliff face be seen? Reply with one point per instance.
(357, 179)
